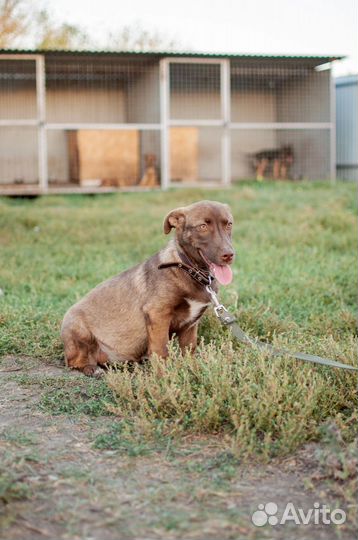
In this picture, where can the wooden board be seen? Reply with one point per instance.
(106, 155)
(184, 152)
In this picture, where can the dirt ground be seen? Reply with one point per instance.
(59, 484)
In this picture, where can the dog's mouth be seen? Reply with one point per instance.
(222, 273)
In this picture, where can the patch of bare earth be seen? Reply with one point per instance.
(65, 488)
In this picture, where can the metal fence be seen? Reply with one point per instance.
(97, 121)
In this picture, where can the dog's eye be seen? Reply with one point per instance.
(229, 225)
(203, 227)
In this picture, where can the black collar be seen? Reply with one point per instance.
(203, 277)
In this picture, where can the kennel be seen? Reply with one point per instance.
(101, 121)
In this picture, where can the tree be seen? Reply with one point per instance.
(49, 35)
(136, 38)
(41, 31)
(13, 22)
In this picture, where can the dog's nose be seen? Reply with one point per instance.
(227, 257)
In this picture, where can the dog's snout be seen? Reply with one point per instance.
(227, 257)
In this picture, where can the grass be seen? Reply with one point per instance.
(12, 488)
(268, 406)
(89, 397)
(69, 395)
(17, 456)
(120, 437)
(338, 458)
(294, 284)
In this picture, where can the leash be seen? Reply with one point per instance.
(228, 320)
(205, 278)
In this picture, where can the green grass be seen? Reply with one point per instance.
(18, 437)
(69, 395)
(294, 283)
(120, 437)
(12, 488)
(268, 406)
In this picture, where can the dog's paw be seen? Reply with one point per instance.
(93, 371)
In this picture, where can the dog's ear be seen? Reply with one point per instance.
(174, 219)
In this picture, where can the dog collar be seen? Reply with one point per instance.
(200, 276)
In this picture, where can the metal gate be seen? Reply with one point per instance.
(22, 121)
(195, 114)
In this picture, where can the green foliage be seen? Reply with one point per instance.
(90, 397)
(120, 437)
(268, 406)
(14, 485)
(52, 35)
(69, 394)
(18, 437)
(11, 487)
(294, 284)
(221, 467)
(295, 266)
(338, 457)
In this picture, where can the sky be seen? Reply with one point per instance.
(316, 27)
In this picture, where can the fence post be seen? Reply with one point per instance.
(333, 151)
(226, 117)
(164, 114)
(41, 119)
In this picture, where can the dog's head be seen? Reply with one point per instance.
(203, 231)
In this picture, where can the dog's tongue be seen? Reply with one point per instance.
(222, 273)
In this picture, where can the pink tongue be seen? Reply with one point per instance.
(222, 273)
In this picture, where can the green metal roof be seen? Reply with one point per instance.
(161, 54)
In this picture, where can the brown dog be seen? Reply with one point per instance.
(150, 176)
(135, 313)
(278, 161)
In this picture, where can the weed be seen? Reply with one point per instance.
(12, 488)
(90, 398)
(13, 478)
(19, 438)
(222, 467)
(120, 437)
(268, 405)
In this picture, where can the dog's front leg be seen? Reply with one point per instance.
(157, 323)
(188, 338)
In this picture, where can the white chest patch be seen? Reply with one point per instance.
(194, 309)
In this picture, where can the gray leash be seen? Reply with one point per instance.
(228, 320)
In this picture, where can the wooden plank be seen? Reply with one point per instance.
(184, 154)
(109, 157)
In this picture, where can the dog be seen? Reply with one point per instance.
(277, 160)
(136, 313)
(150, 176)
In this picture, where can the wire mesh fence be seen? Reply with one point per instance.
(18, 89)
(279, 92)
(101, 158)
(106, 118)
(104, 90)
(280, 154)
(195, 153)
(194, 91)
(18, 156)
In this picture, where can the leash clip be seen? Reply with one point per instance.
(220, 311)
(213, 297)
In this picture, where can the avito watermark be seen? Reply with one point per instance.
(318, 515)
